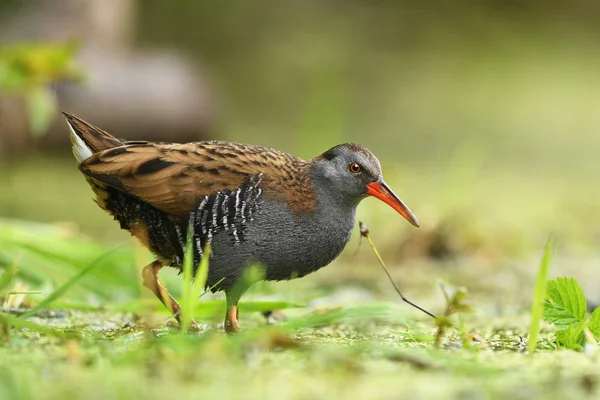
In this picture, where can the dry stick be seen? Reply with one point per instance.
(365, 233)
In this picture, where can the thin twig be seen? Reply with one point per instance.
(364, 232)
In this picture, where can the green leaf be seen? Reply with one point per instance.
(32, 65)
(571, 337)
(538, 297)
(41, 109)
(594, 324)
(565, 303)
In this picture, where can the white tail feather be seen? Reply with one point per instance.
(80, 149)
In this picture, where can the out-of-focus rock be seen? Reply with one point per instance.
(137, 95)
(98, 23)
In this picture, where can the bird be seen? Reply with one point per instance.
(252, 204)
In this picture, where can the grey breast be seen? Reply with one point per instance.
(286, 244)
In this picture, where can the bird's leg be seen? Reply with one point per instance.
(234, 293)
(231, 315)
(150, 280)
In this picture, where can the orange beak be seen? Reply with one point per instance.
(383, 192)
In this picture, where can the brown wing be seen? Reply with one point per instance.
(175, 177)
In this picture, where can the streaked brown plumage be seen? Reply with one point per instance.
(175, 177)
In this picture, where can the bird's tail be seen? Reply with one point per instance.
(86, 139)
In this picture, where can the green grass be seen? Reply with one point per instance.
(74, 347)
(347, 333)
(342, 357)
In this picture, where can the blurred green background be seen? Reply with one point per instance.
(484, 114)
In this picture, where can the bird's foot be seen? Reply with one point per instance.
(194, 327)
(231, 324)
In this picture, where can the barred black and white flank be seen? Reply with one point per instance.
(226, 210)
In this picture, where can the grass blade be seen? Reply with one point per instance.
(188, 270)
(539, 295)
(66, 286)
(201, 275)
(25, 292)
(19, 323)
(52, 253)
(192, 285)
(9, 274)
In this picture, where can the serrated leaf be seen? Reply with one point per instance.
(572, 337)
(594, 324)
(565, 303)
(557, 315)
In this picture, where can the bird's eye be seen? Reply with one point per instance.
(355, 168)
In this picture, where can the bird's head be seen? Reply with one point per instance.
(351, 172)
